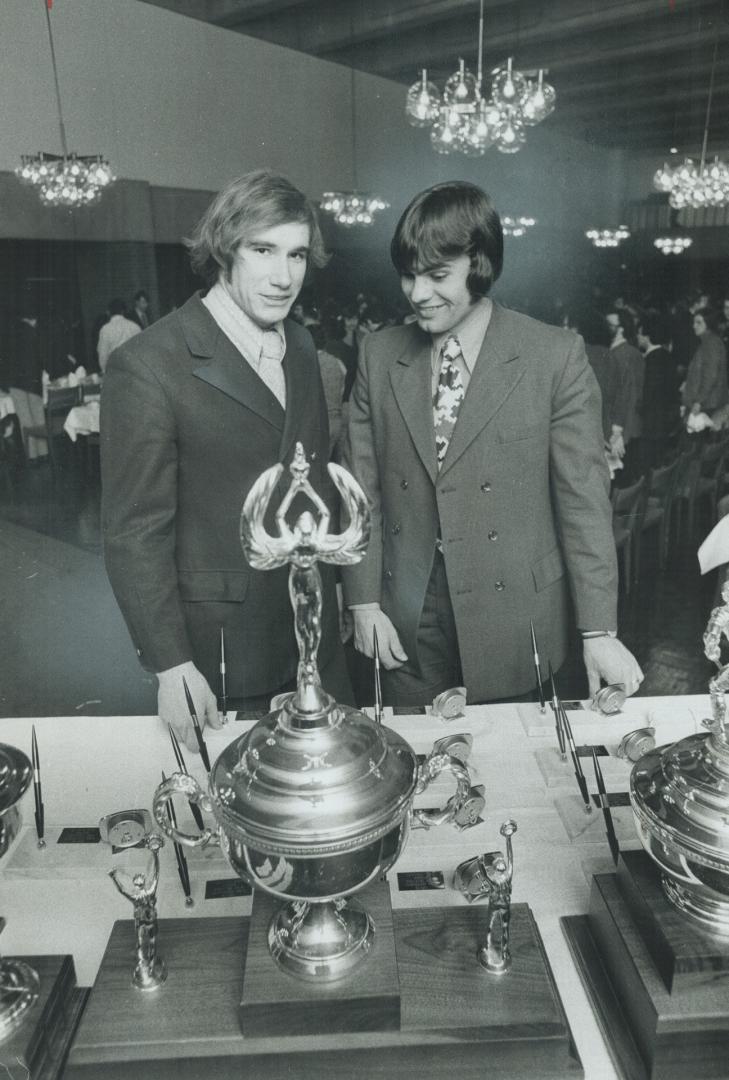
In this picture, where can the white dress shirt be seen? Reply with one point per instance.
(112, 335)
(262, 349)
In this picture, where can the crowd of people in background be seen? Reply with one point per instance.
(662, 369)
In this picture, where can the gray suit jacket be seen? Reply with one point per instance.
(521, 500)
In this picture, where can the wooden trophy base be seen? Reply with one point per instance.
(40, 1043)
(660, 988)
(453, 1015)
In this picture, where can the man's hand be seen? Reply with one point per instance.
(392, 654)
(607, 658)
(172, 703)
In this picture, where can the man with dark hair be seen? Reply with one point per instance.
(193, 410)
(140, 309)
(476, 434)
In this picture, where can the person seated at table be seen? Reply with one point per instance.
(115, 332)
(192, 412)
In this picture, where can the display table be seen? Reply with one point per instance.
(60, 900)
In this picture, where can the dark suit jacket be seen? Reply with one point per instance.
(521, 500)
(661, 398)
(187, 427)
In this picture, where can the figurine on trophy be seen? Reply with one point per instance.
(150, 970)
(488, 877)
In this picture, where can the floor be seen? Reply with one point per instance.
(64, 648)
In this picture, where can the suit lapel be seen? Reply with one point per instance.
(496, 374)
(223, 367)
(411, 381)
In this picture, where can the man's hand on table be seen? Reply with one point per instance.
(172, 703)
(607, 658)
(367, 619)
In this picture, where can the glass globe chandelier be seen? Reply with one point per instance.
(65, 179)
(516, 226)
(462, 119)
(352, 208)
(672, 245)
(692, 185)
(608, 238)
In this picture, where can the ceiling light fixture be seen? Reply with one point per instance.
(672, 245)
(65, 179)
(516, 226)
(350, 208)
(608, 238)
(463, 120)
(692, 185)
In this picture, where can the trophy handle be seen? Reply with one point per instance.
(182, 784)
(433, 766)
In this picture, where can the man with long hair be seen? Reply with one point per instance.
(193, 410)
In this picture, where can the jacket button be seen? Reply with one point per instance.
(493, 535)
(404, 484)
(486, 487)
(499, 586)
(388, 574)
(395, 529)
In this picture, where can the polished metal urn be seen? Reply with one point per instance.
(315, 801)
(680, 799)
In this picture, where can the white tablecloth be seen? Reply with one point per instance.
(7, 405)
(82, 420)
(60, 900)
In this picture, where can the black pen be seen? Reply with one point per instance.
(37, 791)
(557, 710)
(182, 868)
(223, 689)
(378, 685)
(196, 725)
(606, 812)
(579, 775)
(537, 668)
(183, 768)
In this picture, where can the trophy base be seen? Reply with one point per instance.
(39, 1035)
(19, 990)
(659, 985)
(320, 942)
(273, 1003)
(453, 1016)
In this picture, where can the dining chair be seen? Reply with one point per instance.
(628, 510)
(660, 485)
(701, 479)
(59, 403)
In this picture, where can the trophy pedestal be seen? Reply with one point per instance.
(660, 987)
(40, 1042)
(275, 1003)
(453, 1016)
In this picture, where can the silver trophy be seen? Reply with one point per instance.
(488, 877)
(680, 799)
(150, 970)
(19, 983)
(314, 802)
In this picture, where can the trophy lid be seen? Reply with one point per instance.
(680, 794)
(15, 775)
(314, 788)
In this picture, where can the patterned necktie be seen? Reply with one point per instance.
(271, 366)
(449, 395)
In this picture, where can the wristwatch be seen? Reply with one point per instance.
(598, 633)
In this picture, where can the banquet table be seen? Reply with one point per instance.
(59, 900)
(82, 420)
(7, 406)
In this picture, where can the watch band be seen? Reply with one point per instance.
(598, 633)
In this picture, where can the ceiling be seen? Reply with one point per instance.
(628, 73)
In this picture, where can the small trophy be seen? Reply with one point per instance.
(150, 970)
(489, 877)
